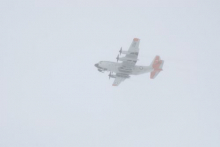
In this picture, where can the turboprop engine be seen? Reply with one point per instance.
(100, 70)
(123, 75)
(127, 53)
(111, 76)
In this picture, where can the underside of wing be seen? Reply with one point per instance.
(117, 81)
(132, 54)
(134, 47)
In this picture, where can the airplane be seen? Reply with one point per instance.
(128, 65)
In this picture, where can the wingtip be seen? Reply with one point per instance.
(136, 39)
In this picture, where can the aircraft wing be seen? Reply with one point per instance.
(117, 81)
(132, 56)
(134, 47)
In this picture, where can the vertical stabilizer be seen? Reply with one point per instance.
(157, 65)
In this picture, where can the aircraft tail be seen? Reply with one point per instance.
(157, 65)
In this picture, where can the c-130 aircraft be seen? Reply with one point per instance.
(128, 65)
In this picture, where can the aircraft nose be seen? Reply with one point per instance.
(96, 65)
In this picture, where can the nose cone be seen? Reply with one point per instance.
(97, 65)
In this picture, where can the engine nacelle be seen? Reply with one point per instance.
(100, 70)
(123, 75)
(127, 59)
(128, 53)
(125, 52)
(112, 76)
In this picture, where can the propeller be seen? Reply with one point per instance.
(117, 58)
(110, 75)
(120, 50)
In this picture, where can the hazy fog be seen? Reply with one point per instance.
(51, 95)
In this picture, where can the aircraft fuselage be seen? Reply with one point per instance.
(119, 68)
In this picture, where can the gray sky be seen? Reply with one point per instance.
(52, 95)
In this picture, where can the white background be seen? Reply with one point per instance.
(52, 95)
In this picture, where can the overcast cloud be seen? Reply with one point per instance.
(51, 95)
